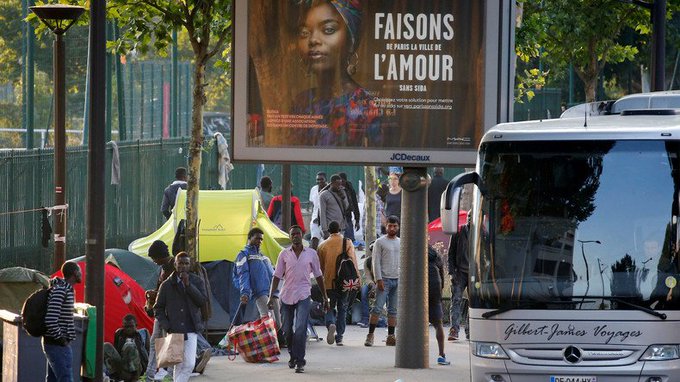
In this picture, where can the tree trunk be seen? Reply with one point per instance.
(195, 148)
(589, 87)
(369, 206)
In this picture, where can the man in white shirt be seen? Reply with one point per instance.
(314, 199)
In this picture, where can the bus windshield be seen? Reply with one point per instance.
(576, 225)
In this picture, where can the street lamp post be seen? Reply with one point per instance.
(59, 18)
(601, 269)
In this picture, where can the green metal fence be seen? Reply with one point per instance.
(544, 105)
(138, 106)
(132, 206)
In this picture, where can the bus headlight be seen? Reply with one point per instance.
(661, 353)
(488, 350)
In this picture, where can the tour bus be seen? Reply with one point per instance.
(573, 249)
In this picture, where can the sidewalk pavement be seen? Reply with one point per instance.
(352, 362)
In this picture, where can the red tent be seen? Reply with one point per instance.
(434, 229)
(122, 295)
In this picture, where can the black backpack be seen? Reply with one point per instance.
(347, 279)
(33, 313)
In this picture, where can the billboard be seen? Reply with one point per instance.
(358, 81)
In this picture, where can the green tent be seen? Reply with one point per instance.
(16, 284)
(225, 217)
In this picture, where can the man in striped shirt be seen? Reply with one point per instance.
(59, 323)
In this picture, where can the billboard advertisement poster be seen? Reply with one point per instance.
(358, 81)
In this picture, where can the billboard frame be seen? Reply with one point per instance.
(497, 93)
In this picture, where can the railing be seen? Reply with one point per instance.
(132, 207)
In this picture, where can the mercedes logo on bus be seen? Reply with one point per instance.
(572, 354)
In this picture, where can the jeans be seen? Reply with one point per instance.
(201, 344)
(389, 296)
(458, 284)
(263, 308)
(151, 367)
(183, 370)
(349, 228)
(365, 308)
(296, 338)
(59, 363)
(337, 314)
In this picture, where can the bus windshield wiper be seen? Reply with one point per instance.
(618, 300)
(532, 304)
(525, 305)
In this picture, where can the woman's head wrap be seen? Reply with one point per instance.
(350, 10)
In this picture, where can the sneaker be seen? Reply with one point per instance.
(300, 367)
(453, 334)
(362, 324)
(160, 375)
(291, 363)
(203, 361)
(330, 338)
(443, 361)
(338, 341)
(391, 340)
(369, 340)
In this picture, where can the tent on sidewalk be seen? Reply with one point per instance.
(225, 217)
(16, 284)
(122, 295)
(141, 269)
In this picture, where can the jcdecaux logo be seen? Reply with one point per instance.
(410, 157)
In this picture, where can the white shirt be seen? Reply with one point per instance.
(314, 198)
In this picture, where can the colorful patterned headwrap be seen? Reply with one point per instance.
(350, 10)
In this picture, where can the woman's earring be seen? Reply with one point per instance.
(352, 66)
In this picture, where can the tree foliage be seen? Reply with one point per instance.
(148, 24)
(10, 42)
(584, 33)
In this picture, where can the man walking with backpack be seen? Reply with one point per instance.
(59, 324)
(330, 251)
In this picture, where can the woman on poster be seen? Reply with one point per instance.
(328, 36)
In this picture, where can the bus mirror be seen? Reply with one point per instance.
(450, 201)
(450, 216)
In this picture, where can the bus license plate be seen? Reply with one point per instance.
(561, 378)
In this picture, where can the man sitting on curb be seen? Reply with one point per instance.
(128, 356)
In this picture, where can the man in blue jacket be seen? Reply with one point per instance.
(254, 273)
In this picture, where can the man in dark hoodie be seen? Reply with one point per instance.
(59, 323)
(160, 254)
(458, 269)
(353, 208)
(435, 276)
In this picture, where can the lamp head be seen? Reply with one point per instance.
(58, 17)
